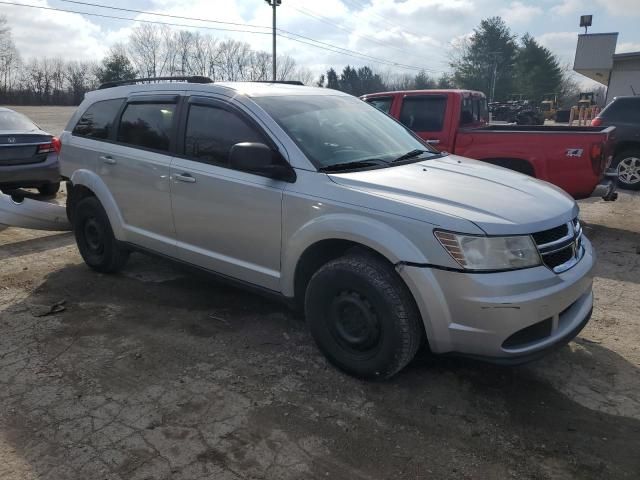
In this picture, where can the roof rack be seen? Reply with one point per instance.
(286, 82)
(133, 81)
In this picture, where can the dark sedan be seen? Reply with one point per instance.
(28, 156)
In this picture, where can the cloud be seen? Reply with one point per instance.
(621, 7)
(562, 44)
(519, 13)
(567, 7)
(627, 47)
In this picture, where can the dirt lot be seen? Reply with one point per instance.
(160, 372)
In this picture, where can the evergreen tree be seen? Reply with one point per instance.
(422, 81)
(115, 66)
(537, 70)
(491, 50)
(332, 79)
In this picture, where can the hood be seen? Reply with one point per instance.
(497, 200)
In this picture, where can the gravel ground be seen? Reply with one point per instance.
(160, 372)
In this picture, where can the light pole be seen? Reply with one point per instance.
(274, 4)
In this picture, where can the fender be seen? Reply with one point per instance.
(94, 183)
(369, 232)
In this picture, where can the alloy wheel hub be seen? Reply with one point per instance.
(629, 170)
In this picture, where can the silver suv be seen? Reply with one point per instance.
(319, 198)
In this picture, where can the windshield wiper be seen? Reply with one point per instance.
(336, 167)
(410, 154)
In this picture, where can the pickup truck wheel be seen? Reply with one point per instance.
(362, 316)
(627, 165)
(94, 236)
(49, 188)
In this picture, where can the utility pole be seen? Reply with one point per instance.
(274, 4)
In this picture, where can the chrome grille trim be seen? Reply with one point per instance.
(571, 243)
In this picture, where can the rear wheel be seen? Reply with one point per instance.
(49, 188)
(627, 165)
(362, 316)
(97, 244)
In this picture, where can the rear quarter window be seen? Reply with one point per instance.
(98, 120)
(623, 110)
(382, 103)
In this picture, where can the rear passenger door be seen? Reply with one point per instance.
(226, 220)
(136, 169)
(425, 115)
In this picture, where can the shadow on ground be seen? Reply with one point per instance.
(163, 373)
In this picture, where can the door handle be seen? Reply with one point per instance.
(108, 159)
(184, 177)
(433, 141)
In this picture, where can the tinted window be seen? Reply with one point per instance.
(423, 114)
(147, 125)
(98, 120)
(623, 110)
(383, 104)
(10, 120)
(211, 132)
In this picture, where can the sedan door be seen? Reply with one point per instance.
(226, 220)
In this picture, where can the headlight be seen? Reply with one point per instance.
(490, 253)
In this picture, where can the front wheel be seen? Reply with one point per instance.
(363, 317)
(627, 165)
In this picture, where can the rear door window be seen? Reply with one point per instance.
(381, 103)
(147, 125)
(424, 114)
(98, 120)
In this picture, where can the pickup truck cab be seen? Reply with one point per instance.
(316, 197)
(457, 121)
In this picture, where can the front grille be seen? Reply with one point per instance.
(560, 247)
(550, 235)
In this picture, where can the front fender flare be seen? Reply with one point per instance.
(371, 233)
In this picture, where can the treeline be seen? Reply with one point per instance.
(151, 51)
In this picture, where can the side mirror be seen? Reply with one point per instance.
(258, 158)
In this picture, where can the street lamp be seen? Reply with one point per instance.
(274, 4)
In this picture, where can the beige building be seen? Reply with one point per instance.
(597, 60)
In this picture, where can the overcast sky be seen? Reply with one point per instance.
(412, 32)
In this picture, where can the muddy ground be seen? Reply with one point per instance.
(160, 372)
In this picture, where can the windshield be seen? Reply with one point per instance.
(333, 130)
(10, 120)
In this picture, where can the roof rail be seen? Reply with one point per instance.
(286, 82)
(133, 81)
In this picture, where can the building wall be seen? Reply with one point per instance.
(624, 76)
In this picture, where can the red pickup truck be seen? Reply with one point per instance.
(456, 121)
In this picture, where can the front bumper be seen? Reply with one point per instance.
(30, 174)
(506, 317)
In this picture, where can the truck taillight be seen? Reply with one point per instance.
(596, 122)
(597, 158)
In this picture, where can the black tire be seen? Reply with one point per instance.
(626, 160)
(363, 317)
(98, 246)
(49, 189)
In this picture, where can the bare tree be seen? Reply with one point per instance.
(9, 58)
(145, 48)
